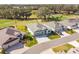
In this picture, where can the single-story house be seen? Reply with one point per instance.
(39, 29)
(9, 37)
(70, 23)
(55, 26)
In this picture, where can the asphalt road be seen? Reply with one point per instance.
(37, 49)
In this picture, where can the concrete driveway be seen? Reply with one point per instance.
(42, 39)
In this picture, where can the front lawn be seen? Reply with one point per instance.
(62, 48)
(77, 40)
(70, 31)
(53, 36)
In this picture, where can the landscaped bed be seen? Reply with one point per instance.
(62, 48)
(70, 31)
(29, 40)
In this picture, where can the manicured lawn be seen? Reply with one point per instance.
(5, 23)
(77, 40)
(52, 37)
(64, 16)
(62, 48)
(70, 31)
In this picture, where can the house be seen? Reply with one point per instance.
(55, 26)
(70, 23)
(9, 37)
(39, 30)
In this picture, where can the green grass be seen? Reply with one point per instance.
(34, 15)
(30, 40)
(77, 40)
(2, 51)
(5, 23)
(62, 48)
(64, 16)
(31, 43)
(70, 31)
(21, 28)
(53, 36)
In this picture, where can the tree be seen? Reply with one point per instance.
(43, 12)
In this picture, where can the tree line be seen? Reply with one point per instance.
(43, 11)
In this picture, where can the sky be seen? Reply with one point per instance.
(39, 1)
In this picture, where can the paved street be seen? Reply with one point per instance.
(46, 45)
(48, 51)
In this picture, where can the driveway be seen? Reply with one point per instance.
(42, 39)
(77, 30)
(46, 45)
(64, 34)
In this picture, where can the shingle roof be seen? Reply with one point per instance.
(5, 34)
(68, 22)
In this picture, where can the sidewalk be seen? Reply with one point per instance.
(74, 43)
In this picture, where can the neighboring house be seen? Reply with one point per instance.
(74, 51)
(9, 37)
(71, 23)
(55, 26)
